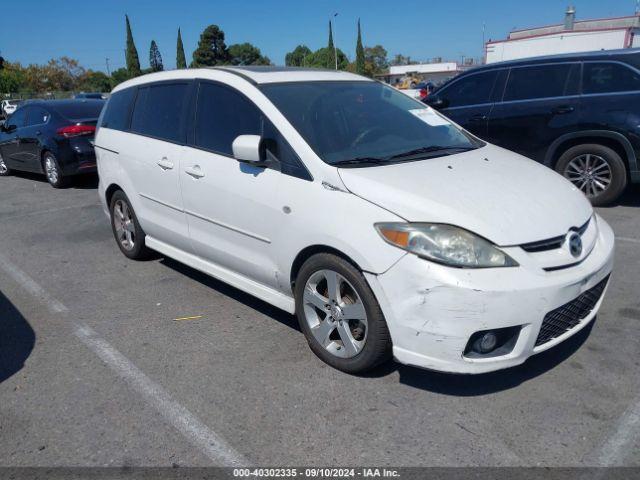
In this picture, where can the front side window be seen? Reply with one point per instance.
(471, 90)
(540, 81)
(18, 119)
(364, 122)
(223, 114)
(608, 78)
(157, 111)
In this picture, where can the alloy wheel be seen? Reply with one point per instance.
(335, 314)
(590, 173)
(51, 170)
(123, 223)
(3, 166)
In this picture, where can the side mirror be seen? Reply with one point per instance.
(8, 128)
(437, 102)
(247, 148)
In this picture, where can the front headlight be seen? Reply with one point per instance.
(445, 244)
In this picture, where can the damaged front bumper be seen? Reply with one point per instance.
(432, 310)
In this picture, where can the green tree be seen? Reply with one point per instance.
(331, 52)
(133, 62)
(298, 57)
(375, 60)
(246, 54)
(155, 59)
(181, 61)
(95, 82)
(11, 80)
(118, 76)
(211, 49)
(399, 59)
(360, 60)
(322, 57)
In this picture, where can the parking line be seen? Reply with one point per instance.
(211, 444)
(619, 445)
(627, 239)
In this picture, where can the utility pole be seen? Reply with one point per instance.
(107, 62)
(335, 47)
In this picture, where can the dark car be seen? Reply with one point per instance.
(53, 137)
(90, 95)
(578, 114)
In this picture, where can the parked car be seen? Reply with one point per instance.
(53, 137)
(384, 227)
(575, 113)
(94, 96)
(9, 106)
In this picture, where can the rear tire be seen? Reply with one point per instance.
(4, 170)
(596, 170)
(126, 229)
(53, 172)
(346, 329)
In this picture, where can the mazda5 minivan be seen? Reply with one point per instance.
(388, 230)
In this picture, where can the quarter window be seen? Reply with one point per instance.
(540, 81)
(117, 112)
(609, 77)
(223, 114)
(472, 90)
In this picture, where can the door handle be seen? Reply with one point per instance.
(562, 110)
(478, 118)
(38, 133)
(165, 164)
(195, 171)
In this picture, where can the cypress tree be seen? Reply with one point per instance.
(133, 62)
(331, 57)
(155, 59)
(181, 61)
(360, 61)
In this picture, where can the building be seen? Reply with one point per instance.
(569, 37)
(436, 72)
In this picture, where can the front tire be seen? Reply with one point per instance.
(53, 172)
(596, 170)
(4, 170)
(126, 229)
(340, 316)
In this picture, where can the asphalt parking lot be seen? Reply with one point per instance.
(96, 370)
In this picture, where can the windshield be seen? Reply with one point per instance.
(80, 110)
(363, 122)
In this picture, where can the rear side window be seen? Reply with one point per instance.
(221, 115)
(118, 110)
(38, 116)
(157, 111)
(472, 90)
(609, 77)
(540, 81)
(19, 118)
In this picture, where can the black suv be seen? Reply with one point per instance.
(578, 114)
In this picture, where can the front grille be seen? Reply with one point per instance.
(564, 318)
(552, 243)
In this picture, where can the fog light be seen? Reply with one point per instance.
(486, 343)
(492, 343)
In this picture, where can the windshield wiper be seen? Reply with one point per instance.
(430, 149)
(359, 161)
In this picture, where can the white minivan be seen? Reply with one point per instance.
(387, 229)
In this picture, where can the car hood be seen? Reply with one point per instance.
(500, 195)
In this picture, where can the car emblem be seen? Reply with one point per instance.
(575, 245)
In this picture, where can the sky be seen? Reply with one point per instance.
(34, 31)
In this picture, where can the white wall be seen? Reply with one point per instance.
(565, 42)
(423, 68)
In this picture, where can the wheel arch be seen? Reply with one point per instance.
(310, 251)
(110, 191)
(614, 140)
